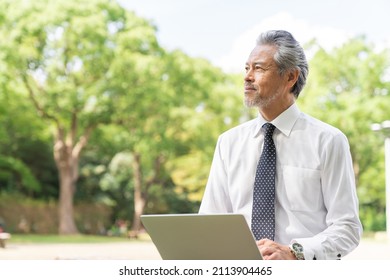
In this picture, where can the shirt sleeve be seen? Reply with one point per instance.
(339, 191)
(216, 196)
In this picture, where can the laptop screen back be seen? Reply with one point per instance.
(202, 237)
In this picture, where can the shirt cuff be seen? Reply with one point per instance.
(314, 250)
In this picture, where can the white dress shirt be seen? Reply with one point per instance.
(316, 201)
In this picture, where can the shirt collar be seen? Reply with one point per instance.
(284, 122)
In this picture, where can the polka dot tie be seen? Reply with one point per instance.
(263, 209)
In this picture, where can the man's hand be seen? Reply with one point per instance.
(271, 250)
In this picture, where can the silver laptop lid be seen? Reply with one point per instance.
(202, 237)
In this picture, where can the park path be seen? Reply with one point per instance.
(142, 250)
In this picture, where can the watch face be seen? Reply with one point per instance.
(297, 247)
(297, 250)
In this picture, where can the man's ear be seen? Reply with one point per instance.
(292, 77)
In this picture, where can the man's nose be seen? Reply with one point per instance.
(248, 75)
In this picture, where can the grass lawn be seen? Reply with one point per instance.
(80, 238)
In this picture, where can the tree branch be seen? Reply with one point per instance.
(40, 109)
(83, 141)
(73, 129)
(158, 161)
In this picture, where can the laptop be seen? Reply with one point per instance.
(201, 237)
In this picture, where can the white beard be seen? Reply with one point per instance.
(258, 102)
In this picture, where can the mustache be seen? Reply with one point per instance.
(249, 85)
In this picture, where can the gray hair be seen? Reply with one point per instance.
(289, 55)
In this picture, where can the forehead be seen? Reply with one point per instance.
(263, 54)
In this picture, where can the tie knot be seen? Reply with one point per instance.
(269, 129)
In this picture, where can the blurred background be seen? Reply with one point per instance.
(111, 109)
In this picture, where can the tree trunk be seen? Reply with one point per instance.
(66, 218)
(141, 190)
(139, 197)
(66, 165)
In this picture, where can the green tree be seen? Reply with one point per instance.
(66, 55)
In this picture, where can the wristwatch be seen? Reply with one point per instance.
(297, 250)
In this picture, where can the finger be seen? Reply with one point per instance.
(260, 242)
(267, 250)
(263, 241)
(273, 256)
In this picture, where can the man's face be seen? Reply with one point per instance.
(263, 83)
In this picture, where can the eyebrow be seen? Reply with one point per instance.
(260, 63)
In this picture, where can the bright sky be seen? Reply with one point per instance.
(225, 31)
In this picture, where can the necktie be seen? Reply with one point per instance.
(263, 209)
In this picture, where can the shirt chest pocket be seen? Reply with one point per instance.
(303, 188)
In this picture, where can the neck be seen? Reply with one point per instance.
(272, 111)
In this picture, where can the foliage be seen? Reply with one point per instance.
(24, 142)
(69, 62)
(17, 175)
